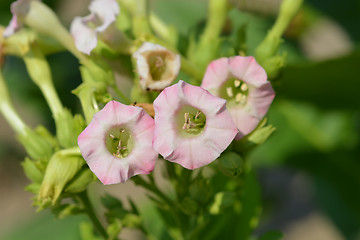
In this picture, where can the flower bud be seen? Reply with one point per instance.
(157, 66)
(62, 167)
(80, 182)
(231, 164)
(32, 171)
(36, 145)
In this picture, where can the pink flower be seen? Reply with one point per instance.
(192, 127)
(243, 83)
(157, 66)
(19, 8)
(117, 143)
(85, 30)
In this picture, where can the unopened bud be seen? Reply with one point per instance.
(32, 171)
(231, 164)
(80, 182)
(62, 167)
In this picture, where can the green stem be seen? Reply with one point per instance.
(88, 208)
(39, 71)
(209, 43)
(8, 111)
(215, 21)
(141, 18)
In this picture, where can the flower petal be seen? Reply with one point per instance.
(85, 38)
(193, 151)
(247, 70)
(92, 142)
(260, 94)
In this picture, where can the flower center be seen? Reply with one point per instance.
(235, 91)
(119, 142)
(158, 65)
(191, 121)
(93, 21)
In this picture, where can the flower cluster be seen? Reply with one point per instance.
(192, 126)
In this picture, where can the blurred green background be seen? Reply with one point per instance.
(309, 169)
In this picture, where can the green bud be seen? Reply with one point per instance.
(31, 170)
(19, 44)
(37, 146)
(231, 164)
(62, 167)
(81, 181)
(33, 188)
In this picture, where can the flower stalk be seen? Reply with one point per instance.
(39, 71)
(7, 109)
(89, 210)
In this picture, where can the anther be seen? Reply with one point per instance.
(237, 83)
(229, 92)
(111, 136)
(197, 114)
(159, 62)
(243, 100)
(239, 97)
(244, 87)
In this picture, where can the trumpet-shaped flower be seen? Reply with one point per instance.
(157, 66)
(117, 143)
(85, 30)
(243, 83)
(192, 127)
(19, 9)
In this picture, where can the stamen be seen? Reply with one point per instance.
(197, 114)
(239, 97)
(229, 92)
(244, 87)
(159, 62)
(237, 83)
(243, 100)
(111, 136)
